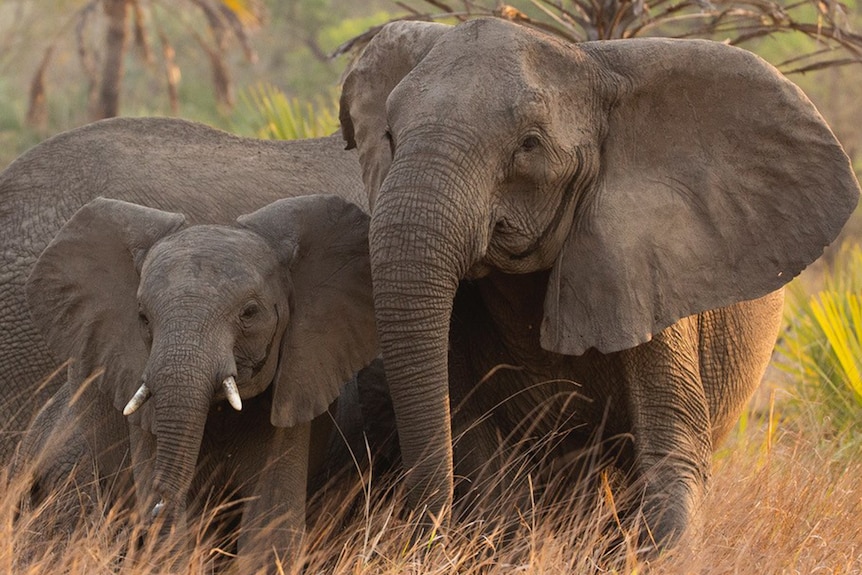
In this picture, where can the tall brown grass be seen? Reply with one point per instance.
(781, 501)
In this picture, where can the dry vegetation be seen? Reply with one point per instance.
(783, 500)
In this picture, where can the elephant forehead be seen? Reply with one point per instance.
(499, 46)
(210, 255)
(482, 58)
(471, 63)
(485, 36)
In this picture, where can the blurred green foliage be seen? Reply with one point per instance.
(297, 57)
(266, 112)
(821, 348)
(292, 46)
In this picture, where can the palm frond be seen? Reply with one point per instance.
(822, 346)
(276, 116)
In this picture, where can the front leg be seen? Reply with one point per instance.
(671, 428)
(273, 521)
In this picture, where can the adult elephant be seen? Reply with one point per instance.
(220, 344)
(626, 213)
(206, 174)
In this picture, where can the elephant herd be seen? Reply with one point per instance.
(538, 239)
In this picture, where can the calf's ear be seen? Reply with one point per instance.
(322, 241)
(82, 292)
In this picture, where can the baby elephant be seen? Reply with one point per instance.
(210, 352)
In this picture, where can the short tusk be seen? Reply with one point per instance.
(157, 509)
(137, 400)
(232, 393)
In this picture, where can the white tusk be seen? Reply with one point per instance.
(137, 400)
(232, 393)
(157, 509)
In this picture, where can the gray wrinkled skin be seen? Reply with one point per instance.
(279, 304)
(208, 175)
(597, 232)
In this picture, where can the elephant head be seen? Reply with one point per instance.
(654, 178)
(172, 319)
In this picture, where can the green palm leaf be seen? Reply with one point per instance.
(822, 346)
(275, 116)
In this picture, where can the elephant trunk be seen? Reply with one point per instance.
(423, 240)
(182, 396)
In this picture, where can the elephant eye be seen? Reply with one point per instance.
(146, 333)
(530, 143)
(249, 312)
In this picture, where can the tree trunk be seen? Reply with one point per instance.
(116, 44)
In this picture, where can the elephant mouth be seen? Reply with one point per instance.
(479, 270)
(251, 374)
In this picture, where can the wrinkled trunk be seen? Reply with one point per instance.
(423, 240)
(182, 393)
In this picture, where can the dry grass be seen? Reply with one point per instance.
(782, 501)
(780, 504)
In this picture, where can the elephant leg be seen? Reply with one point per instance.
(736, 344)
(478, 461)
(490, 451)
(273, 521)
(55, 472)
(107, 434)
(671, 427)
(476, 443)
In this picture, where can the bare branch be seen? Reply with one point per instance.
(116, 40)
(86, 56)
(37, 108)
(172, 72)
(218, 63)
(733, 21)
(314, 47)
(240, 31)
(140, 35)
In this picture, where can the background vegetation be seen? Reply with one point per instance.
(197, 58)
(786, 494)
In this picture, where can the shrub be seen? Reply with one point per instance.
(822, 346)
(270, 114)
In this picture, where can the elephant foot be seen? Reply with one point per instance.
(271, 547)
(427, 519)
(666, 516)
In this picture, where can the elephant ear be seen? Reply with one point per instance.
(393, 52)
(719, 182)
(82, 292)
(323, 243)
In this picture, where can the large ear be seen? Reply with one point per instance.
(719, 182)
(82, 292)
(331, 334)
(393, 52)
